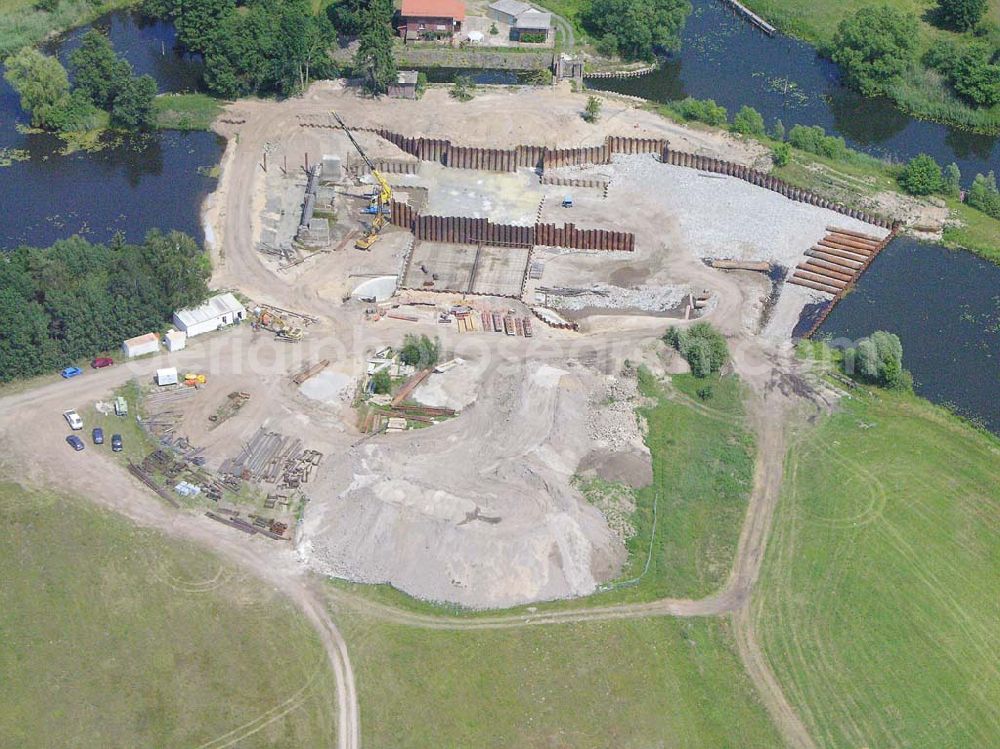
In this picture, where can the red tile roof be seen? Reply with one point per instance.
(454, 9)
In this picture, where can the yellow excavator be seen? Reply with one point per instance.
(381, 200)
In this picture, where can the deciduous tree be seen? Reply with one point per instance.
(874, 47)
(962, 14)
(39, 80)
(374, 56)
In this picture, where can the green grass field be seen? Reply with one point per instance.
(187, 111)
(978, 232)
(879, 600)
(114, 637)
(21, 24)
(641, 684)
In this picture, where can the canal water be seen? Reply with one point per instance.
(140, 183)
(945, 308)
(723, 57)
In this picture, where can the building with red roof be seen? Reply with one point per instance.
(431, 19)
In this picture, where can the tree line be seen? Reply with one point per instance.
(103, 83)
(76, 299)
(877, 46)
(636, 29)
(263, 47)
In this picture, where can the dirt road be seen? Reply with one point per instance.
(35, 454)
(233, 214)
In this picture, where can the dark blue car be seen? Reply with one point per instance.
(75, 442)
(98, 435)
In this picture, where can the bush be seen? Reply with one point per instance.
(532, 38)
(420, 351)
(781, 154)
(463, 89)
(74, 113)
(421, 83)
(701, 345)
(748, 121)
(874, 47)
(942, 56)
(493, 29)
(382, 382)
(592, 112)
(975, 77)
(951, 180)
(607, 45)
(815, 140)
(961, 14)
(778, 130)
(541, 78)
(983, 195)
(921, 176)
(706, 111)
(878, 359)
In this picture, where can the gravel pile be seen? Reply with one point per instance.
(604, 296)
(725, 217)
(611, 418)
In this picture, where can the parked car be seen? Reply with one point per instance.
(73, 419)
(98, 435)
(75, 442)
(116, 443)
(101, 362)
(71, 372)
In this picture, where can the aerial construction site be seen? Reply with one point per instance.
(545, 256)
(447, 305)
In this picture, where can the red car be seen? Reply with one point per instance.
(101, 362)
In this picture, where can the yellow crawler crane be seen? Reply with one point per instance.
(380, 201)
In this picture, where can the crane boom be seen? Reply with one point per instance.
(382, 199)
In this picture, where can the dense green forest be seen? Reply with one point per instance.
(75, 299)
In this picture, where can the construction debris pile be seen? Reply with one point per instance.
(163, 421)
(471, 320)
(615, 500)
(612, 421)
(605, 296)
(272, 458)
(230, 407)
(257, 524)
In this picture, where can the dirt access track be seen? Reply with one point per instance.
(407, 508)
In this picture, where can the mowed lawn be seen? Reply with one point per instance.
(879, 603)
(112, 636)
(642, 684)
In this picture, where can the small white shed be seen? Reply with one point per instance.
(167, 376)
(217, 312)
(141, 345)
(175, 340)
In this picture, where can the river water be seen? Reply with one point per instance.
(945, 308)
(722, 57)
(141, 183)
